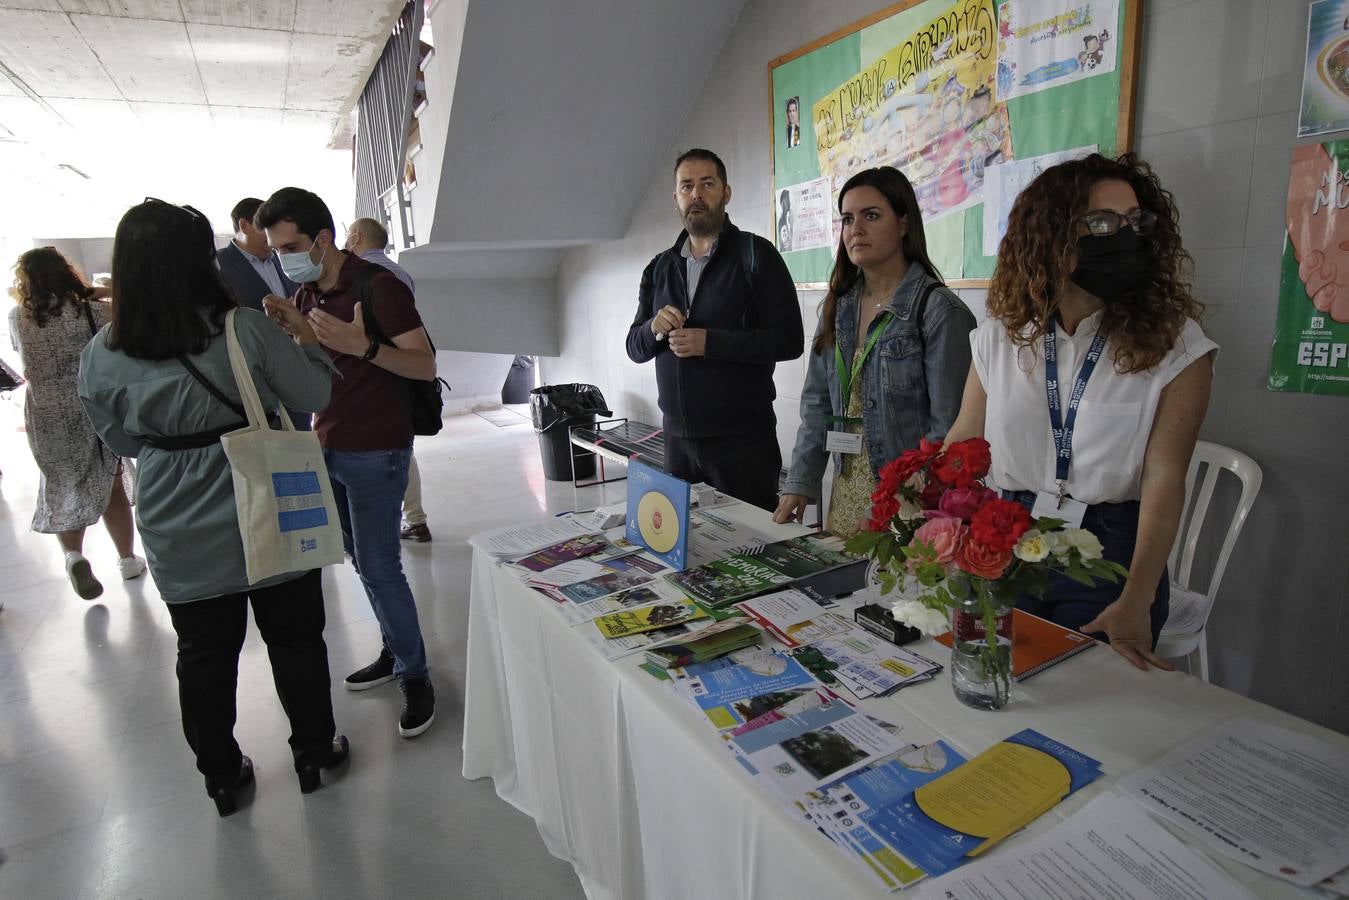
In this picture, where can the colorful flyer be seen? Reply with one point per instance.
(1325, 74)
(1311, 332)
(1043, 44)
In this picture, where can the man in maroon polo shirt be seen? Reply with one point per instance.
(366, 430)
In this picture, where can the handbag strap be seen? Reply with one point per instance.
(214, 391)
(248, 392)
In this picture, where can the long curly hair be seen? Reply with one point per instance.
(899, 193)
(1035, 261)
(45, 283)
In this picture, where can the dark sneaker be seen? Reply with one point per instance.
(378, 672)
(418, 533)
(419, 707)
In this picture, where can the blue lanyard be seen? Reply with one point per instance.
(1061, 427)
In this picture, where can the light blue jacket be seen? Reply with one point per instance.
(911, 384)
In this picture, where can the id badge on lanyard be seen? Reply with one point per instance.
(1058, 504)
(837, 440)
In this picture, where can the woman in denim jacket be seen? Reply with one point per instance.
(894, 335)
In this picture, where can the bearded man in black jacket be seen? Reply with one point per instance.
(716, 312)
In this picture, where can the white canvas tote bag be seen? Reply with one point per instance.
(287, 514)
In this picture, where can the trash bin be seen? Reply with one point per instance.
(556, 409)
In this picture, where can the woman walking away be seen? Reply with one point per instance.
(158, 386)
(81, 479)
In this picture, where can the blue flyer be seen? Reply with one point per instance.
(658, 513)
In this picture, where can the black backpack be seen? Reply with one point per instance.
(425, 402)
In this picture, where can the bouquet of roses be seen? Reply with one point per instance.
(948, 543)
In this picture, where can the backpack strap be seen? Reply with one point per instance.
(749, 262)
(365, 291)
(920, 310)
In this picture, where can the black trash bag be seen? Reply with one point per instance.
(555, 410)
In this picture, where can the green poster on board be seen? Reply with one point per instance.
(953, 93)
(1311, 333)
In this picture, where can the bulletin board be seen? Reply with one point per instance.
(968, 98)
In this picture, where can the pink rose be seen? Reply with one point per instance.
(963, 503)
(944, 535)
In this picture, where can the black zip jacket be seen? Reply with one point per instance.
(729, 391)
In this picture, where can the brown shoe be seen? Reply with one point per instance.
(418, 533)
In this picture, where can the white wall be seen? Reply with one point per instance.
(1217, 117)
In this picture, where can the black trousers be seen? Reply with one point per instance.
(290, 618)
(1072, 604)
(746, 466)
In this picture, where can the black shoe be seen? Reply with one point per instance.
(334, 756)
(419, 707)
(378, 672)
(226, 803)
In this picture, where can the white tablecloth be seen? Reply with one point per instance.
(627, 784)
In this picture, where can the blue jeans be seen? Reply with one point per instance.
(368, 487)
(1073, 605)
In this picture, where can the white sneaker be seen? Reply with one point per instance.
(131, 567)
(82, 576)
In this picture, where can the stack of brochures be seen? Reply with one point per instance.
(760, 570)
(926, 810)
(709, 644)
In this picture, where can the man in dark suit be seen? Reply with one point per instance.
(247, 264)
(252, 271)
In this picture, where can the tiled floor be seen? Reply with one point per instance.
(98, 793)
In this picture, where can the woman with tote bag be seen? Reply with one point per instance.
(158, 386)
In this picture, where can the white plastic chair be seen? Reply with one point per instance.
(1185, 629)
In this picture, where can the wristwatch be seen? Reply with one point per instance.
(372, 350)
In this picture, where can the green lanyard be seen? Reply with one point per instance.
(845, 374)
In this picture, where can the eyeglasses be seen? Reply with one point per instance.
(190, 210)
(1101, 222)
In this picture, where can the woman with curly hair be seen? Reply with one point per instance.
(889, 356)
(1092, 268)
(81, 479)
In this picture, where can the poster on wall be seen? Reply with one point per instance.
(1311, 333)
(805, 216)
(1325, 74)
(1048, 43)
(946, 91)
(926, 107)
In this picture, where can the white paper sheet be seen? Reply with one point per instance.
(713, 537)
(1109, 848)
(1005, 181)
(519, 540)
(1274, 799)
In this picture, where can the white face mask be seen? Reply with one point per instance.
(299, 268)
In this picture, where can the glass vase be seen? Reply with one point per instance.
(981, 669)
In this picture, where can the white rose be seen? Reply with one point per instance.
(1058, 545)
(1033, 546)
(914, 614)
(1083, 541)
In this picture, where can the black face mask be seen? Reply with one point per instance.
(1111, 266)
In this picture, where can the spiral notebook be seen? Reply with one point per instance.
(1038, 644)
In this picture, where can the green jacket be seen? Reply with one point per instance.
(185, 498)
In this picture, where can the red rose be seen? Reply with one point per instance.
(907, 464)
(883, 509)
(999, 524)
(982, 561)
(963, 463)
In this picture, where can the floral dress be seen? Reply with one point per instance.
(77, 469)
(850, 499)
